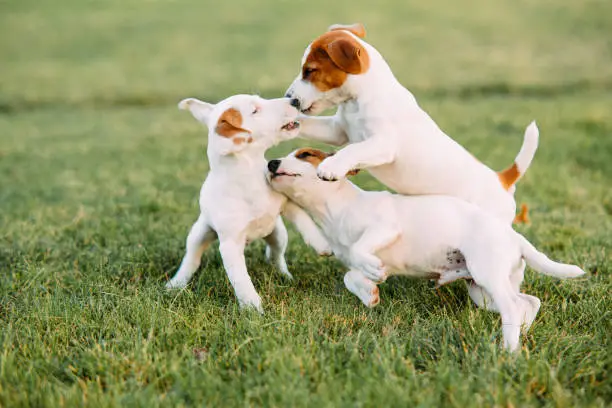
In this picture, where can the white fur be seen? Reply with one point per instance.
(398, 142)
(377, 234)
(236, 203)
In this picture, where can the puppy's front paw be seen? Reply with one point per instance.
(176, 284)
(372, 267)
(331, 170)
(251, 302)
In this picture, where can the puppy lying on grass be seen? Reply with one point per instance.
(444, 238)
(237, 205)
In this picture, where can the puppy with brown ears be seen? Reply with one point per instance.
(237, 205)
(387, 132)
(377, 234)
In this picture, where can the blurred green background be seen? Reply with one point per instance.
(99, 176)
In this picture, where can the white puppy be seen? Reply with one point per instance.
(388, 132)
(377, 233)
(236, 203)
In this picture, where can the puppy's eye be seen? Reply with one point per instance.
(308, 71)
(255, 110)
(303, 155)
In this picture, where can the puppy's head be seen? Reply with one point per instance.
(295, 175)
(241, 121)
(328, 64)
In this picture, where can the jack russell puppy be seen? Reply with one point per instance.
(387, 131)
(236, 203)
(377, 233)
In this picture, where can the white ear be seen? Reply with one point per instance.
(200, 110)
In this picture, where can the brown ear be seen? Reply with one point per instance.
(230, 123)
(358, 29)
(348, 55)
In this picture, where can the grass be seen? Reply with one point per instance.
(99, 176)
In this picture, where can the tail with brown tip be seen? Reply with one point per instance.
(512, 174)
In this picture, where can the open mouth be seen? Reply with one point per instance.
(291, 126)
(283, 173)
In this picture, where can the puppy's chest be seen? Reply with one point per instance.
(262, 215)
(354, 123)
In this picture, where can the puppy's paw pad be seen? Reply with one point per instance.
(374, 298)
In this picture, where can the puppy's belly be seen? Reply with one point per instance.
(443, 266)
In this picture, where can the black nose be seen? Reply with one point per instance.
(273, 165)
(295, 102)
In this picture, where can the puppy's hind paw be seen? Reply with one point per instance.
(374, 297)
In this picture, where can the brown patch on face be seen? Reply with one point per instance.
(315, 157)
(523, 216)
(332, 57)
(358, 29)
(312, 156)
(508, 177)
(230, 124)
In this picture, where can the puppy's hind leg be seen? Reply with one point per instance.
(480, 297)
(277, 244)
(492, 274)
(199, 238)
(530, 304)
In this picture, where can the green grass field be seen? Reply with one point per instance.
(100, 173)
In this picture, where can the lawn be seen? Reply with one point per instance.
(100, 173)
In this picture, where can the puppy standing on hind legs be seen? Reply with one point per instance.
(236, 203)
(386, 131)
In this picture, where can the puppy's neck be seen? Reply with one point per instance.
(330, 203)
(379, 83)
(249, 160)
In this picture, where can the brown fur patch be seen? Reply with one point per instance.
(332, 57)
(523, 216)
(315, 157)
(241, 140)
(230, 124)
(312, 156)
(508, 177)
(358, 29)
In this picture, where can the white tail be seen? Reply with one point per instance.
(541, 263)
(530, 145)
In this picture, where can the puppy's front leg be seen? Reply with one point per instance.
(363, 251)
(324, 129)
(372, 152)
(232, 252)
(307, 228)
